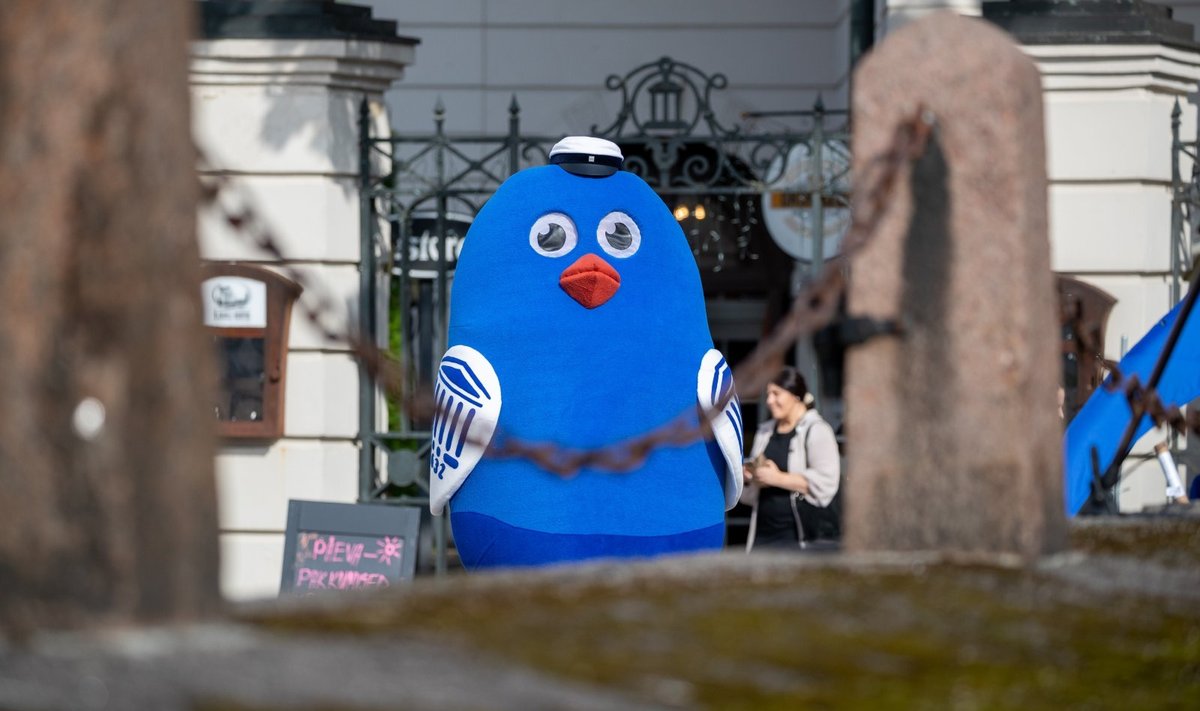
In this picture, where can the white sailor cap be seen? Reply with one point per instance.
(587, 156)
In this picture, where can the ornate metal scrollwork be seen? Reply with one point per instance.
(725, 184)
(677, 97)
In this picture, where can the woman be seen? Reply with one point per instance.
(794, 472)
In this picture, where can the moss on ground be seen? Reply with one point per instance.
(237, 706)
(1168, 541)
(821, 635)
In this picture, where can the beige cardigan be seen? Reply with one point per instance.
(821, 464)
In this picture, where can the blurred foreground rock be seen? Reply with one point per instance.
(106, 377)
(1110, 624)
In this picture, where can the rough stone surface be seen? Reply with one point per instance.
(1110, 624)
(225, 667)
(954, 425)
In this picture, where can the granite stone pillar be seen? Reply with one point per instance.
(954, 433)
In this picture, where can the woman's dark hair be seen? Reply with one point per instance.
(791, 380)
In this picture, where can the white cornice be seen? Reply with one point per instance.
(353, 65)
(1113, 67)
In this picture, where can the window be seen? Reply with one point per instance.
(1087, 307)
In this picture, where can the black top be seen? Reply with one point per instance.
(1034, 22)
(294, 19)
(589, 165)
(776, 524)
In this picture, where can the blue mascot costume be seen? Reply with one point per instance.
(577, 320)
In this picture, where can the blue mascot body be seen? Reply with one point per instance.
(578, 320)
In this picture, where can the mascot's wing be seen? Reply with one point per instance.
(467, 393)
(714, 384)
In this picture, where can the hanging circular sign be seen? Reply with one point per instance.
(787, 204)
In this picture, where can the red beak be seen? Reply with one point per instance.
(590, 281)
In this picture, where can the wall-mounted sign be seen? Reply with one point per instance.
(246, 312)
(424, 246)
(330, 546)
(234, 302)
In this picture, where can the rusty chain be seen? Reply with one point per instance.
(815, 307)
(316, 308)
(1142, 400)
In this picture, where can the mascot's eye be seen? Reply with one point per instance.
(619, 238)
(619, 235)
(553, 235)
(553, 239)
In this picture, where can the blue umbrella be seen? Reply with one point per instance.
(1106, 415)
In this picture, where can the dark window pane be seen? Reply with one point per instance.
(243, 377)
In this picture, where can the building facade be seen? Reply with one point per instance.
(277, 109)
(276, 113)
(1112, 72)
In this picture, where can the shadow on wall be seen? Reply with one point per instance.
(318, 120)
(283, 82)
(281, 121)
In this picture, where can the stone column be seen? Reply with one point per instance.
(953, 426)
(277, 89)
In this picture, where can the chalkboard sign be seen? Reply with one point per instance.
(348, 546)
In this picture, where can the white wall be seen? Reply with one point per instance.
(279, 119)
(555, 55)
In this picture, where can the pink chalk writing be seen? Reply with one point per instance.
(339, 579)
(386, 549)
(331, 550)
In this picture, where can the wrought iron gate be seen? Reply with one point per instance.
(670, 136)
(1185, 205)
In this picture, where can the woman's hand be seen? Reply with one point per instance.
(747, 474)
(768, 473)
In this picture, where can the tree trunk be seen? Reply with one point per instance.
(107, 501)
